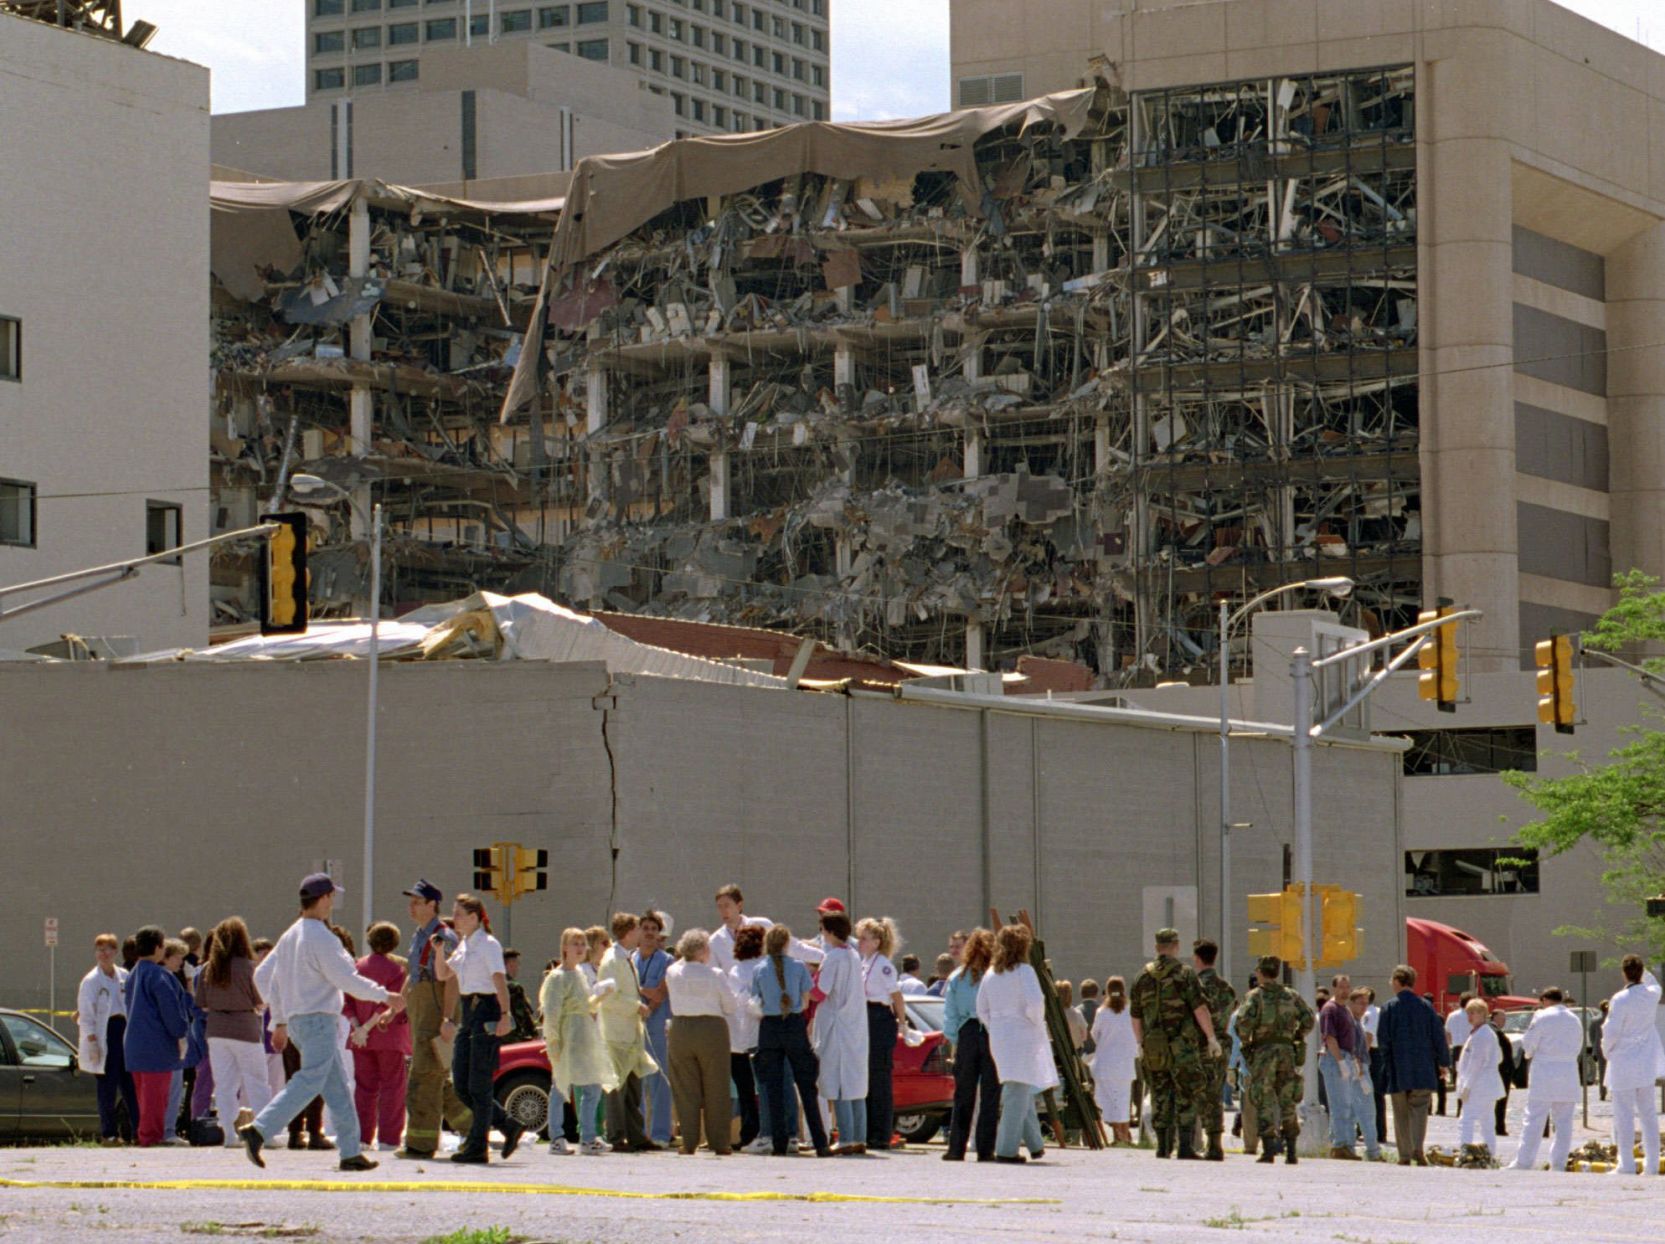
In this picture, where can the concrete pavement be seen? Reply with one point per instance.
(1070, 1196)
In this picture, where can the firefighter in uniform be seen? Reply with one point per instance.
(428, 1090)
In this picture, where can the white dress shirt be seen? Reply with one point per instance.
(878, 976)
(722, 941)
(1457, 1027)
(475, 961)
(912, 986)
(1369, 1021)
(308, 971)
(699, 989)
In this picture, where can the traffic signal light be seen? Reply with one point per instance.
(283, 576)
(1281, 912)
(491, 870)
(1438, 661)
(1555, 683)
(1340, 923)
(529, 875)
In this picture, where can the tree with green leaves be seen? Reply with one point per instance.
(1617, 806)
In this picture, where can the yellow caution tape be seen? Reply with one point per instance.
(319, 1185)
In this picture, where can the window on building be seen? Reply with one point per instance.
(760, 93)
(656, 60)
(591, 12)
(800, 71)
(656, 23)
(17, 512)
(818, 40)
(741, 123)
(740, 50)
(780, 100)
(800, 105)
(561, 47)
(696, 71)
(367, 37)
(591, 49)
(1470, 871)
(719, 116)
(779, 28)
(696, 36)
(367, 75)
(441, 28)
(798, 35)
(739, 14)
(403, 4)
(11, 347)
(699, 109)
(1481, 749)
(719, 43)
(480, 24)
(516, 23)
(402, 71)
(818, 75)
(673, 28)
(633, 14)
(404, 32)
(716, 8)
(162, 524)
(634, 52)
(719, 80)
(820, 111)
(559, 15)
(1001, 88)
(777, 62)
(680, 103)
(679, 67)
(327, 41)
(328, 8)
(367, 6)
(329, 79)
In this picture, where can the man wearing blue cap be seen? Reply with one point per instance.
(302, 981)
(429, 1093)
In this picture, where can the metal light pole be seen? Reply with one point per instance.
(1338, 585)
(1300, 669)
(370, 724)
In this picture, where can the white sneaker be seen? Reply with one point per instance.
(384, 1147)
(559, 1146)
(606, 1146)
(761, 1145)
(594, 1148)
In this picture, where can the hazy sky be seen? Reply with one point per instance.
(889, 57)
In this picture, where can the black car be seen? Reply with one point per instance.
(44, 1094)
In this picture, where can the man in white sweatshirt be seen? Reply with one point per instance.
(302, 981)
(1553, 1043)
(1635, 1058)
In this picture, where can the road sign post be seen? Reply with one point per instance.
(51, 970)
(1584, 962)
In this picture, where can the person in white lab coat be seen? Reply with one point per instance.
(841, 1033)
(1478, 1084)
(1115, 1058)
(1553, 1043)
(1635, 1059)
(1011, 1008)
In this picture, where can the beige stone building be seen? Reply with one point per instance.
(103, 324)
(722, 65)
(1531, 403)
(512, 109)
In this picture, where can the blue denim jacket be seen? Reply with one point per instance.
(767, 990)
(960, 1003)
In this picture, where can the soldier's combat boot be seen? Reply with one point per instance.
(1289, 1146)
(1269, 1147)
(1185, 1151)
(1216, 1153)
(1164, 1141)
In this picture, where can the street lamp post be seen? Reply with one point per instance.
(306, 484)
(1336, 586)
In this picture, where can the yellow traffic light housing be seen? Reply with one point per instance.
(492, 868)
(1439, 660)
(283, 576)
(1339, 920)
(530, 875)
(1281, 912)
(1556, 708)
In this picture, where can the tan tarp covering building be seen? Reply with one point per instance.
(610, 197)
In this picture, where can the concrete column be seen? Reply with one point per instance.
(720, 379)
(361, 403)
(844, 366)
(720, 499)
(1101, 447)
(973, 464)
(974, 635)
(1466, 321)
(595, 398)
(973, 369)
(1636, 402)
(970, 267)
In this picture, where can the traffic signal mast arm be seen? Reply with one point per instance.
(118, 571)
(1419, 632)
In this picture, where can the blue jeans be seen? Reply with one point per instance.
(1364, 1114)
(317, 1037)
(1018, 1121)
(589, 1099)
(764, 1093)
(176, 1099)
(1338, 1095)
(656, 1089)
(850, 1113)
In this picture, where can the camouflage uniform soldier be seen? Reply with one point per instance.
(1222, 1001)
(1273, 1024)
(1176, 1033)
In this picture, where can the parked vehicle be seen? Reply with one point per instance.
(44, 1095)
(923, 1087)
(1450, 963)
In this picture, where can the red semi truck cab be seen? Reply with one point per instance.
(1450, 963)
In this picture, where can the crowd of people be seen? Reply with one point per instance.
(228, 1039)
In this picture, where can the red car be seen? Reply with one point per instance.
(923, 1089)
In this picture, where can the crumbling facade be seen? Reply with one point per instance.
(1049, 394)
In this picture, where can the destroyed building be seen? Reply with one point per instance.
(1041, 379)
